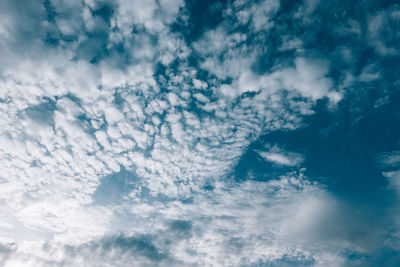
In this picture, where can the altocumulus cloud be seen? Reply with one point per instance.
(136, 133)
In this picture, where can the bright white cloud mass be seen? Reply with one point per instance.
(124, 126)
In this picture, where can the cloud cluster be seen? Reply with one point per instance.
(249, 224)
(118, 136)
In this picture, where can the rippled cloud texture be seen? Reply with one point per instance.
(199, 133)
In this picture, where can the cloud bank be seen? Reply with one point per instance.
(121, 122)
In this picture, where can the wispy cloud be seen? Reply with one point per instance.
(281, 157)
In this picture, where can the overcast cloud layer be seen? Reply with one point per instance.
(199, 133)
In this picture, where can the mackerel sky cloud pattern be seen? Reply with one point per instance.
(199, 133)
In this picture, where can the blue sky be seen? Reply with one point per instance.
(199, 133)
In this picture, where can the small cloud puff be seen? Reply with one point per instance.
(279, 156)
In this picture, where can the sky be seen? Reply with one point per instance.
(199, 133)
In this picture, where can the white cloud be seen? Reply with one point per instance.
(227, 53)
(151, 15)
(279, 156)
(369, 73)
(261, 14)
(389, 159)
(281, 159)
(174, 133)
(240, 224)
